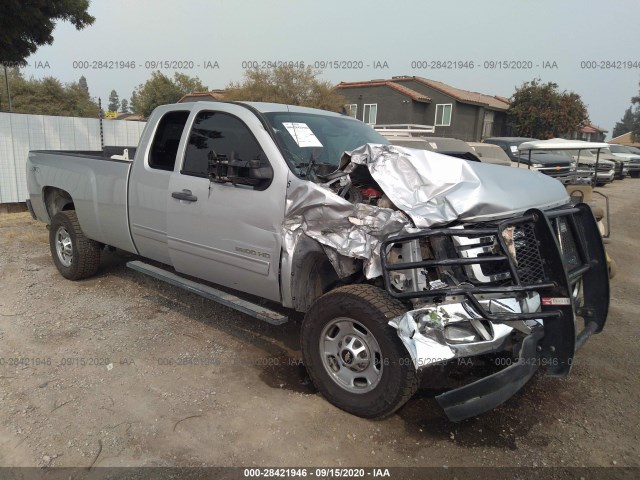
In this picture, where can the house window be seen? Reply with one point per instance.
(443, 115)
(370, 113)
(351, 109)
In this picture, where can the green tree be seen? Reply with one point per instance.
(124, 106)
(26, 25)
(625, 124)
(160, 90)
(114, 101)
(541, 111)
(49, 96)
(286, 84)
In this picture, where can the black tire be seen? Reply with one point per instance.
(635, 174)
(371, 308)
(85, 253)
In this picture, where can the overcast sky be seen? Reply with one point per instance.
(567, 32)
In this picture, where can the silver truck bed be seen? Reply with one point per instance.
(98, 186)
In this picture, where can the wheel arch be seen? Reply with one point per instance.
(56, 200)
(309, 275)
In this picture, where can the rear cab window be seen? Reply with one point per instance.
(164, 149)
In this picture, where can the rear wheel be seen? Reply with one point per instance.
(74, 255)
(354, 357)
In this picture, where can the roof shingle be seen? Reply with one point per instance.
(417, 96)
(465, 96)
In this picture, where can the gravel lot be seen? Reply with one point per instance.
(122, 370)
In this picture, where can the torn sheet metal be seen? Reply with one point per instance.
(435, 189)
(352, 230)
(430, 188)
(422, 332)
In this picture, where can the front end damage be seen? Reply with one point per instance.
(535, 285)
(487, 259)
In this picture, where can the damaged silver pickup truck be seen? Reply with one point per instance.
(401, 259)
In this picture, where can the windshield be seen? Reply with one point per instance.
(547, 155)
(312, 144)
(581, 153)
(489, 153)
(562, 153)
(618, 149)
(604, 151)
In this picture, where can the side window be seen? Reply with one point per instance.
(217, 135)
(370, 114)
(443, 114)
(165, 143)
(351, 109)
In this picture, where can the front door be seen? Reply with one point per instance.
(224, 233)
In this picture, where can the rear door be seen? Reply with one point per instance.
(225, 233)
(149, 182)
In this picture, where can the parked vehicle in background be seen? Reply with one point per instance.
(404, 130)
(627, 153)
(419, 136)
(490, 153)
(509, 145)
(560, 167)
(606, 169)
(621, 164)
(446, 146)
(400, 263)
(579, 193)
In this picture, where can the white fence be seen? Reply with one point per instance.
(20, 133)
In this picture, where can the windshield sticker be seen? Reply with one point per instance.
(302, 134)
(433, 145)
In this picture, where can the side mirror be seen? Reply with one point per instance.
(257, 172)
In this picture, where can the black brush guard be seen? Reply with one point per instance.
(561, 247)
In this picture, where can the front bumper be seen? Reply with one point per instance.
(605, 176)
(489, 392)
(561, 263)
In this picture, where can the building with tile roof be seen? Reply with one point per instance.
(589, 133)
(452, 111)
(203, 96)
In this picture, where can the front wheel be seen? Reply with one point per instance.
(354, 357)
(74, 255)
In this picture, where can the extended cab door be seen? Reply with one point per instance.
(155, 161)
(225, 233)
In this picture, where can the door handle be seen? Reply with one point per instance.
(185, 195)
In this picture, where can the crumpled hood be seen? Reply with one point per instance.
(435, 189)
(430, 188)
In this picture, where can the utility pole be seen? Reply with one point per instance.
(100, 115)
(6, 81)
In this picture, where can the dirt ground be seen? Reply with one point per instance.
(122, 370)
